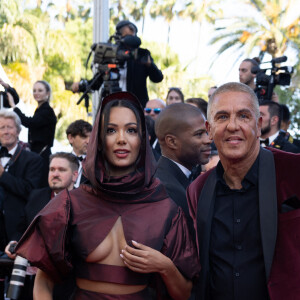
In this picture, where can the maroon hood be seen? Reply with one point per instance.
(137, 186)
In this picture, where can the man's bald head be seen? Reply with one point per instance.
(174, 118)
(154, 107)
(180, 129)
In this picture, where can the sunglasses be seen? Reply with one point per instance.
(155, 110)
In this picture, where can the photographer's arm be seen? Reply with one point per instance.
(154, 73)
(43, 286)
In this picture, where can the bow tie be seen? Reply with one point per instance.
(80, 158)
(266, 142)
(4, 152)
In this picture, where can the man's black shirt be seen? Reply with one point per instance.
(236, 258)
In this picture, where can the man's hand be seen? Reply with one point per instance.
(146, 60)
(10, 254)
(75, 87)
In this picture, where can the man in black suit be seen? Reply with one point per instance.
(135, 70)
(181, 132)
(63, 172)
(271, 134)
(20, 172)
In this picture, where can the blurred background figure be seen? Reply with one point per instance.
(211, 91)
(154, 107)
(198, 102)
(174, 95)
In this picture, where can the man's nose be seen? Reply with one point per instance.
(232, 123)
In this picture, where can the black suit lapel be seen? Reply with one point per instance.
(204, 220)
(167, 164)
(267, 206)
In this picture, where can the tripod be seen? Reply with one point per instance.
(110, 76)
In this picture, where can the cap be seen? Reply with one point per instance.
(123, 23)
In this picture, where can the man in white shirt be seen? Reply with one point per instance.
(271, 135)
(180, 129)
(20, 172)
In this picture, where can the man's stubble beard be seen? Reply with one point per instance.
(266, 129)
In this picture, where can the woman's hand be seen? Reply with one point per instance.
(144, 259)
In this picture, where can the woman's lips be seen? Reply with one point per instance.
(121, 153)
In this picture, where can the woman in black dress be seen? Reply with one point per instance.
(41, 126)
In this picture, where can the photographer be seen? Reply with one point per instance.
(134, 71)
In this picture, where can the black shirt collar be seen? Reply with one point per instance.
(251, 178)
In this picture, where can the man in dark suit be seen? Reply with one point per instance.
(181, 132)
(135, 70)
(63, 172)
(246, 210)
(20, 172)
(271, 134)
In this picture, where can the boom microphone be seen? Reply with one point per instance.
(279, 60)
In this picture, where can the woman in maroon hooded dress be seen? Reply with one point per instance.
(119, 234)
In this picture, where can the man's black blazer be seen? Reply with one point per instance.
(23, 175)
(175, 183)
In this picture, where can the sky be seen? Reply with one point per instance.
(191, 42)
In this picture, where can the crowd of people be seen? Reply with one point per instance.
(159, 199)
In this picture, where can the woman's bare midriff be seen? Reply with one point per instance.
(108, 253)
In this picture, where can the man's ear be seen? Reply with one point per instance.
(274, 120)
(208, 129)
(70, 138)
(74, 176)
(171, 141)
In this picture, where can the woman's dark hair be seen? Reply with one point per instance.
(105, 114)
(178, 91)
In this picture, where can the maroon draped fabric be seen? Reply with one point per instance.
(74, 223)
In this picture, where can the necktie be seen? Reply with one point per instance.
(265, 142)
(80, 158)
(4, 152)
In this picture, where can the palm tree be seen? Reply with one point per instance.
(272, 29)
(166, 9)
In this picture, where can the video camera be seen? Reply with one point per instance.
(4, 97)
(267, 79)
(107, 60)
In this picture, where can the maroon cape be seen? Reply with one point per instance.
(74, 223)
